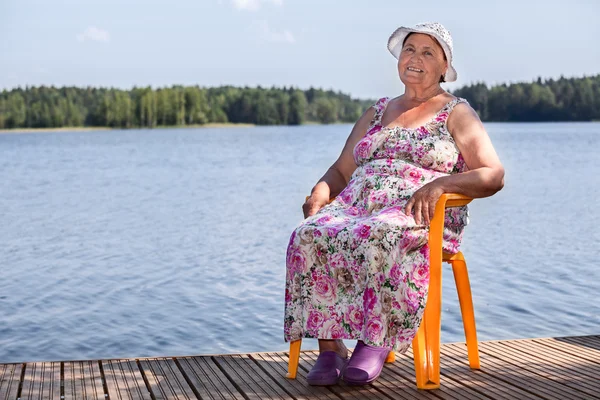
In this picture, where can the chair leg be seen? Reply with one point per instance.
(294, 358)
(391, 357)
(420, 357)
(426, 353)
(463, 287)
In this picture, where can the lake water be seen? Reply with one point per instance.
(172, 242)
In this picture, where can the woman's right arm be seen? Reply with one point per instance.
(337, 176)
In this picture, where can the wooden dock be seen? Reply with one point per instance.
(553, 368)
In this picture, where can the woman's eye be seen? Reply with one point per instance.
(408, 49)
(427, 53)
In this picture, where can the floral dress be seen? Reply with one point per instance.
(359, 267)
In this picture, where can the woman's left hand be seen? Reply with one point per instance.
(423, 202)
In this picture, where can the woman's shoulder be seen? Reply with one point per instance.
(461, 114)
(454, 100)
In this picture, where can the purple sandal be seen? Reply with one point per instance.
(327, 369)
(365, 365)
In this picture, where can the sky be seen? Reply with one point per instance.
(339, 45)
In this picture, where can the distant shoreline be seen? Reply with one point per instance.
(105, 128)
(225, 125)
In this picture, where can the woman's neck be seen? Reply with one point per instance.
(421, 95)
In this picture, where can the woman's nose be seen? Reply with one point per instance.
(415, 56)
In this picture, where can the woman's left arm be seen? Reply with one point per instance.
(484, 177)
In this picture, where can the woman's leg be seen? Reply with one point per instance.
(336, 345)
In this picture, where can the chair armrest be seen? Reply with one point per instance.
(454, 200)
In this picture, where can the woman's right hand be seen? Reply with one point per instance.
(313, 204)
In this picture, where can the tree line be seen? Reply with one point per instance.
(51, 107)
(565, 99)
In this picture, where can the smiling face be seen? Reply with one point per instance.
(422, 60)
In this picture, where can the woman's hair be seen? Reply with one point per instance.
(442, 79)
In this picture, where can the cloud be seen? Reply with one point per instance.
(270, 35)
(94, 34)
(254, 5)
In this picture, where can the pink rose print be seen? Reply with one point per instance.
(296, 260)
(362, 231)
(375, 329)
(415, 175)
(353, 211)
(369, 299)
(396, 275)
(405, 147)
(409, 241)
(363, 148)
(332, 329)
(412, 301)
(379, 197)
(420, 275)
(373, 130)
(394, 215)
(338, 261)
(423, 133)
(315, 320)
(332, 231)
(346, 195)
(355, 318)
(325, 287)
(323, 220)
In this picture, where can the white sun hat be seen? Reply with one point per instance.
(435, 29)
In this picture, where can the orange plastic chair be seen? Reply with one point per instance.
(426, 344)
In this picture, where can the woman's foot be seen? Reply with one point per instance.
(330, 363)
(366, 364)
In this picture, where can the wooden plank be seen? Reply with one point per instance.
(551, 368)
(581, 352)
(124, 380)
(41, 381)
(506, 372)
(165, 379)
(552, 374)
(249, 378)
(524, 379)
(457, 372)
(449, 388)
(10, 377)
(590, 342)
(275, 364)
(207, 379)
(82, 380)
(566, 362)
(457, 368)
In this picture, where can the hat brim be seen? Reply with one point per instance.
(396, 41)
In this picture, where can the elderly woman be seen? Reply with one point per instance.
(358, 267)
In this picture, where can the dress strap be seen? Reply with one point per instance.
(380, 107)
(453, 104)
(447, 109)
